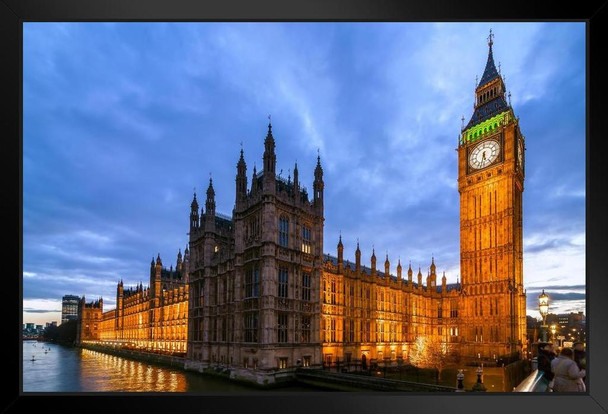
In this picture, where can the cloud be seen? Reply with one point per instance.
(122, 121)
(557, 287)
(30, 310)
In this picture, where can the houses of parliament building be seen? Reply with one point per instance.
(257, 292)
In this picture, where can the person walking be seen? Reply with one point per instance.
(580, 356)
(568, 377)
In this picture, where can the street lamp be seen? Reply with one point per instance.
(543, 307)
(553, 329)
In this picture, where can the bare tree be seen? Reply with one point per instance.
(431, 352)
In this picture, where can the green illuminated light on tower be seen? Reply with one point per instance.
(489, 125)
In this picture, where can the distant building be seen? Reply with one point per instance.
(54, 323)
(30, 327)
(69, 308)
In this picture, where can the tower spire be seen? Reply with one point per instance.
(490, 97)
(210, 207)
(270, 159)
(318, 183)
(241, 178)
(490, 72)
(194, 219)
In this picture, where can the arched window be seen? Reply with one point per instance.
(284, 231)
(306, 239)
(283, 282)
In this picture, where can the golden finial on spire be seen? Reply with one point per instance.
(490, 37)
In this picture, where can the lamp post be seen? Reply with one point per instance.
(460, 379)
(553, 329)
(543, 307)
(478, 386)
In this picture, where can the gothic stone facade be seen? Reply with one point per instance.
(88, 323)
(255, 277)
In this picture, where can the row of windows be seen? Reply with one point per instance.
(251, 328)
(252, 283)
(284, 235)
(493, 304)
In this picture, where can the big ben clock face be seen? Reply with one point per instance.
(484, 154)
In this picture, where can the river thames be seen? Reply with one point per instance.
(57, 368)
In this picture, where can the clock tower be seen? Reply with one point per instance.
(490, 183)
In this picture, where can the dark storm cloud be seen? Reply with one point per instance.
(30, 310)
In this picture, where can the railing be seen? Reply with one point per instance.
(535, 382)
(353, 381)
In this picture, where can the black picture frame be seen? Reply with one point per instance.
(13, 13)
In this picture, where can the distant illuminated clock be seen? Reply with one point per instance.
(484, 154)
(520, 154)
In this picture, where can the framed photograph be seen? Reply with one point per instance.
(309, 206)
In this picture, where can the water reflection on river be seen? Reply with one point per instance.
(62, 369)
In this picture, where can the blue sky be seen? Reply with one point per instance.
(123, 120)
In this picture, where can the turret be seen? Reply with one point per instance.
(419, 278)
(318, 185)
(270, 161)
(119, 294)
(210, 207)
(358, 259)
(340, 254)
(387, 270)
(157, 276)
(241, 180)
(158, 267)
(254, 181)
(194, 218)
(432, 282)
(443, 283)
(399, 271)
(178, 265)
(373, 262)
(296, 183)
(409, 274)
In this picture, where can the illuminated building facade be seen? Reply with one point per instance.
(88, 325)
(150, 318)
(491, 181)
(372, 317)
